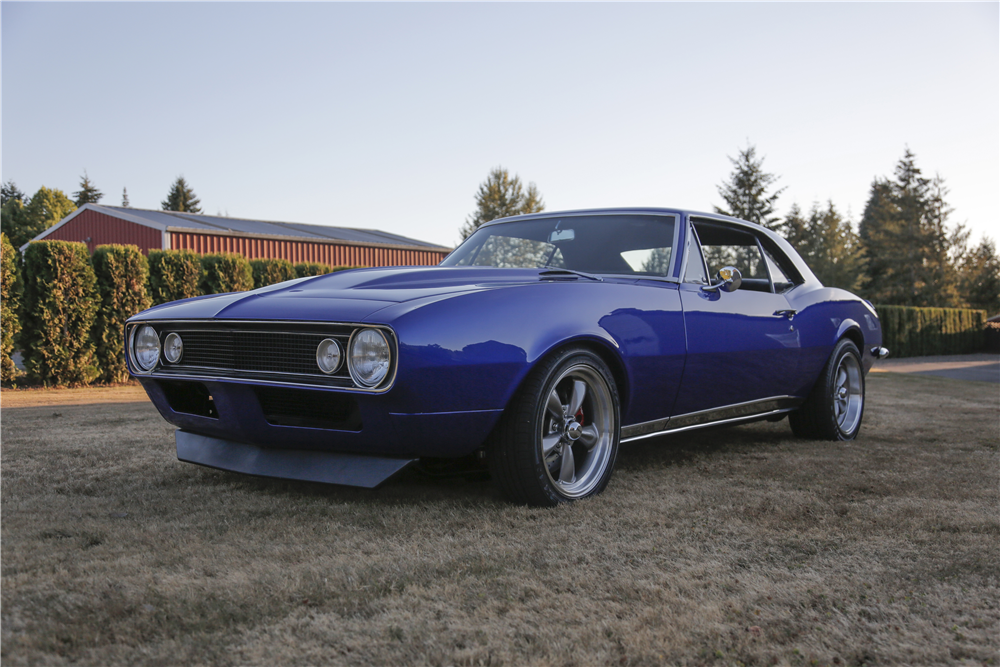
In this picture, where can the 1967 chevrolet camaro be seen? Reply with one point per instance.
(539, 344)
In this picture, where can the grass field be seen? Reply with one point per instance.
(729, 547)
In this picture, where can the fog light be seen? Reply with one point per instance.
(173, 347)
(328, 356)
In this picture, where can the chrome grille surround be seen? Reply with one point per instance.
(280, 352)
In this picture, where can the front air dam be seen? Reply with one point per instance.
(301, 464)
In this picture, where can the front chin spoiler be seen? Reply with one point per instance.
(299, 464)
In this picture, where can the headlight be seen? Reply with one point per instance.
(173, 347)
(146, 347)
(368, 357)
(328, 356)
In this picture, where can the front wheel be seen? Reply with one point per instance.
(558, 440)
(836, 404)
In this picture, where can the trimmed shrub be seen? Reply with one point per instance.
(271, 271)
(225, 272)
(173, 275)
(306, 269)
(59, 311)
(122, 272)
(920, 332)
(10, 299)
(346, 268)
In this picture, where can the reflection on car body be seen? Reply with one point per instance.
(538, 346)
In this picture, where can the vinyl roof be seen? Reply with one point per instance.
(173, 220)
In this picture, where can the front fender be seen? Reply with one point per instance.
(472, 351)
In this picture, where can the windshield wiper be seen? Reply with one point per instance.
(569, 272)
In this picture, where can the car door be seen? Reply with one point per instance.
(743, 348)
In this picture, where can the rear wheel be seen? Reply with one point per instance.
(835, 406)
(558, 440)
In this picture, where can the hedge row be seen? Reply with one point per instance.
(921, 332)
(74, 307)
(10, 299)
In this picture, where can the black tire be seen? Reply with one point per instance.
(836, 404)
(540, 454)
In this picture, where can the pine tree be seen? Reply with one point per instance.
(87, 194)
(795, 229)
(909, 249)
(10, 191)
(181, 198)
(125, 202)
(499, 196)
(746, 192)
(979, 280)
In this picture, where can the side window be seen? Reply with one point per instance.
(781, 281)
(729, 246)
(694, 271)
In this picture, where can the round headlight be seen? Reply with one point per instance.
(146, 347)
(328, 356)
(173, 347)
(368, 357)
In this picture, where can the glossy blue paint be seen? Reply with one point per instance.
(469, 336)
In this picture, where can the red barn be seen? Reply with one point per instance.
(96, 224)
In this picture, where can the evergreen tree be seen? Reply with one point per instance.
(125, 202)
(499, 196)
(746, 192)
(10, 191)
(181, 198)
(87, 194)
(909, 249)
(795, 229)
(979, 280)
(23, 222)
(834, 252)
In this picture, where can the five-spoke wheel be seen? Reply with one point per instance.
(559, 440)
(836, 403)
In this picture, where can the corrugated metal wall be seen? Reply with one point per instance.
(298, 251)
(104, 229)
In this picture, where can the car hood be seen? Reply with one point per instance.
(348, 295)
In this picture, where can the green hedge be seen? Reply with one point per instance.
(59, 310)
(122, 273)
(270, 271)
(225, 272)
(173, 275)
(920, 332)
(10, 299)
(306, 269)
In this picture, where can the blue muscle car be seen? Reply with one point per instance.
(537, 346)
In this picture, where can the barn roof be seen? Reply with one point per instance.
(170, 221)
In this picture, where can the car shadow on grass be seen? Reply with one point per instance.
(468, 480)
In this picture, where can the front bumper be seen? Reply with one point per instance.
(316, 420)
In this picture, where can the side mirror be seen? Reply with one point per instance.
(729, 278)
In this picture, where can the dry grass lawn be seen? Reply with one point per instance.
(733, 546)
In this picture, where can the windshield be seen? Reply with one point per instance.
(610, 244)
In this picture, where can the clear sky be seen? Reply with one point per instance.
(388, 116)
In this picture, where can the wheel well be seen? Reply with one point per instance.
(854, 335)
(608, 356)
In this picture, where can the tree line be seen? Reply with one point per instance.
(905, 251)
(22, 218)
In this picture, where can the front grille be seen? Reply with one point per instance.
(279, 352)
(263, 351)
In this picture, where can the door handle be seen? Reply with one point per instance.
(789, 313)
